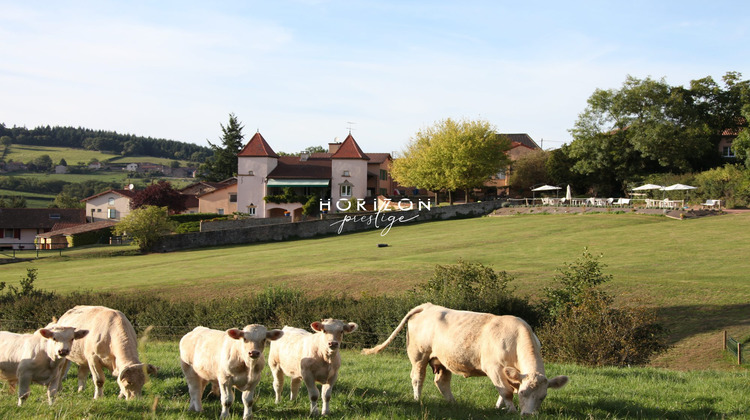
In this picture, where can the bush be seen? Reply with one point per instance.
(188, 227)
(582, 327)
(729, 183)
(192, 217)
(594, 334)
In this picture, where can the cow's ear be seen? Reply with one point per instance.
(274, 335)
(79, 334)
(350, 327)
(151, 369)
(317, 326)
(236, 333)
(513, 376)
(46, 333)
(558, 381)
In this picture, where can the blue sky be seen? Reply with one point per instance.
(304, 71)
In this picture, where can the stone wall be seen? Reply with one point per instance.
(213, 225)
(241, 234)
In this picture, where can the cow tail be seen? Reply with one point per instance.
(380, 347)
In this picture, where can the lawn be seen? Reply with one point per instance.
(378, 387)
(25, 153)
(692, 270)
(33, 200)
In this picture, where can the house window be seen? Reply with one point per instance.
(383, 175)
(8, 233)
(346, 190)
(111, 202)
(98, 210)
(220, 211)
(728, 152)
(112, 213)
(250, 173)
(232, 198)
(346, 173)
(251, 210)
(500, 175)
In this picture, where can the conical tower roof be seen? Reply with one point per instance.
(257, 147)
(349, 149)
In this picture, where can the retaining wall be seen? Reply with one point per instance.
(345, 224)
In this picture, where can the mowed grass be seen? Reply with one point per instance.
(25, 153)
(378, 387)
(693, 271)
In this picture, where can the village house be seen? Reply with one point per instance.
(109, 205)
(64, 237)
(19, 227)
(520, 144)
(220, 200)
(344, 173)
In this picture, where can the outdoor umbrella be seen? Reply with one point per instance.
(546, 188)
(568, 196)
(648, 187)
(679, 187)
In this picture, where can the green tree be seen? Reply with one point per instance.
(145, 225)
(6, 141)
(13, 202)
(43, 163)
(223, 164)
(64, 200)
(741, 144)
(530, 169)
(452, 155)
(63, 162)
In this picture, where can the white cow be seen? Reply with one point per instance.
(37, 357)
(476, 344)
(232, 358)
(308, 357)
(112, 344)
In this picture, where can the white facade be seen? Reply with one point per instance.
(108, 206)
(252, 177)
(348, 180)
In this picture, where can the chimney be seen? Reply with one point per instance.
(334, 147)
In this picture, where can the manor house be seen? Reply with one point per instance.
(345, 172)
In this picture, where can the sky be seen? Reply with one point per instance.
(306, 72)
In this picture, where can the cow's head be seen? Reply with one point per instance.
(253, 339)
(532, 388)
(334, 330)
(132, 378)
(60, 340)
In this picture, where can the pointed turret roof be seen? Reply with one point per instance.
(257, 147)
(349, 149)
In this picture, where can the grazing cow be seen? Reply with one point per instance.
(38, 358)
(232, 358)
(308, 357)
(112, 344)
(476, 344)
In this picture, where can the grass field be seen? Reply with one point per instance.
(378, 387)
(692, 270)
(25, 153)
(33, 200)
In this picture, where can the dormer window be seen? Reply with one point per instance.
(346, 173)
(111, 201)
(54, 216)
(250, 173)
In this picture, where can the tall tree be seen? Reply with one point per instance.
(223, 164)
(452, 155)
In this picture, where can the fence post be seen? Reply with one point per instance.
(724, 341)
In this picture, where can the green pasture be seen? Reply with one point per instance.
(378, 387)
(25, 153)
(33, 200)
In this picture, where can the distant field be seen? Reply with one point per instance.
(25, 153)
(692, 270)
(33, 200)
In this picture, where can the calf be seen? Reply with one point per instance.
(37, 357)
(475, 344)
(308, 357)
(112, 344)
(232, 358)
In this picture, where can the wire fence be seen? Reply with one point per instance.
(733, 346)
(26, 250)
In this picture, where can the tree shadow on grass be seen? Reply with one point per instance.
(689, 320)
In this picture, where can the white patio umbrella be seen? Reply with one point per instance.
(546, 188)
(568, 195)
(648, 187)
(680, 187)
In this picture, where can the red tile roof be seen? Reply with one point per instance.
(378, 157)
(522, 138)
(81, 228)
(257, 147)
(124, 193)
(349, 149)
(293, 167)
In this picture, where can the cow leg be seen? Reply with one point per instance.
(196, 385)
(227, 398)
(443, 380)
(247, 401)
(97, 373)
(296, 383)
(418, 367)
(54, 384)
(83, 375)
(326, 390)
(504, 389)
(312, 391)
(278, 382)
(24, 382)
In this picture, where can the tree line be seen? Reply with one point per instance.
(105, 141)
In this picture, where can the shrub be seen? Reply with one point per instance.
(582, 327)
(729, 183)
(145, 225)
